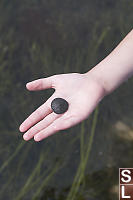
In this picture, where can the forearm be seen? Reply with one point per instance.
(117, 66)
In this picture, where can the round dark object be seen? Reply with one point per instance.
(59, 105)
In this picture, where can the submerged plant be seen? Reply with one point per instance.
(84, 159)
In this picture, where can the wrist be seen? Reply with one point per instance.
(98, 80)
(117, 67)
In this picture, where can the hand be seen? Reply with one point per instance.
(82, 91)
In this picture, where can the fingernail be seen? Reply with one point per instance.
(25, 137)
(21, 128)
(37, 138)
(27, 83)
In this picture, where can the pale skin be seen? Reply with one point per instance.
(82, 91)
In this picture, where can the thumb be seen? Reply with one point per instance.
(41, 84)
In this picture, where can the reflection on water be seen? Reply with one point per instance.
(42, 38)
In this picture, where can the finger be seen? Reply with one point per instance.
(41, 84)
(59, 124)
(37, 115)
(40, 126)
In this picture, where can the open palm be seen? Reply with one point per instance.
(82, 92)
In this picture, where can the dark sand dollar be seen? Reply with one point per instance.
(59, 105)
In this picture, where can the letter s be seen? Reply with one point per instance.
(125, 173)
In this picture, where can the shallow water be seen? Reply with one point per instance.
(42, 38)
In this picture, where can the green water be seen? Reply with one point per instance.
(38, 39)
